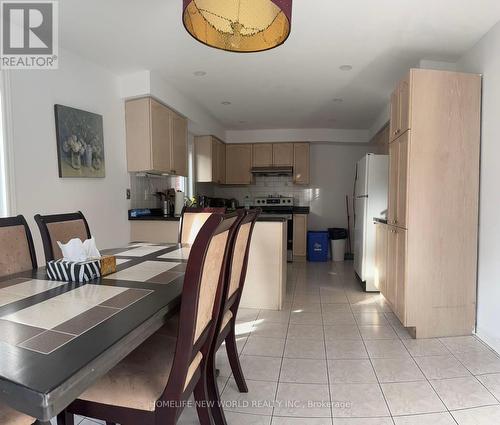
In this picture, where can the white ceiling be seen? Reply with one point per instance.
(294, 85)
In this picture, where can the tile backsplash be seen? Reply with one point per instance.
(264, 186)
(143, 187)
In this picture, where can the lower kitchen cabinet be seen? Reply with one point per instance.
(381, 232)
(391, 243)
(154, 231)
(299, 236)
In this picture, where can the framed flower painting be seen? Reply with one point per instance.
(80, 143)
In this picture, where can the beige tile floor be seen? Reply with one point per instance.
(338, 356)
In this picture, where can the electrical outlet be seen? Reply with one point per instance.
(128, 194)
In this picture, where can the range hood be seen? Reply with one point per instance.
(272, 171)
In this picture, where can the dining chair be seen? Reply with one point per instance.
(62, 228)
(152, 385)
(17, 252)
(192, 220)
(226, 324)
(10, 416)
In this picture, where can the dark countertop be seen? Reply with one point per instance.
(380, 220)
(301, 210)
(156, 216)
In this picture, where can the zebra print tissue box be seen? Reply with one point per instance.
(69, 271)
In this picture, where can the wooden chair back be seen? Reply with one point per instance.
(17, 252)
(202, 294)
(62, 228)
(192, 220)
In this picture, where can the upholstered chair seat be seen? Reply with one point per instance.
(139, 380)
(10, 416)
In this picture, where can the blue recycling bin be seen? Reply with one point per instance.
(317, 245)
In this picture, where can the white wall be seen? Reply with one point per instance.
(200, 121)
(38, 188)
(332, 178)
(484, 58)
(297, 134)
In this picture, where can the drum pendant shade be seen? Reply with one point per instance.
(238, 25)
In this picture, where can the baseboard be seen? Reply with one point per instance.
(489, 340)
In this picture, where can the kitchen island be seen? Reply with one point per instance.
(265, 285)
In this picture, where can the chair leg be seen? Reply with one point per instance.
(234, 360)
(65, 418)
(201, 397)
(214, 394)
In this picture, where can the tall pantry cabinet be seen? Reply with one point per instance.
(430, 240)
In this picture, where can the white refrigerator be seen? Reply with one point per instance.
(370, 201)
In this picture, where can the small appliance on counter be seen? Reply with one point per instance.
(166, 203)
(179, 203)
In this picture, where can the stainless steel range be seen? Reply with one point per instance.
(279, 207)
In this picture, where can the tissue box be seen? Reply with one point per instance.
(70, 271)
(108, 264)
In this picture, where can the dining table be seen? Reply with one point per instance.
(58, 338)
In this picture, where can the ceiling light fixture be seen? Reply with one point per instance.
(226, 102)
(338, 99)
(345, 67)
(238, 25)
(200, 73)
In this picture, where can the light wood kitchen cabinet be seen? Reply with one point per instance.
(400, 274)
(299, 236)
(400, 108)
(395, 288)
(238, 163)
(301, 163)
(221, 162)
(398, 180)
(179, 165)
(391, 285)
(433, 203)
(210, 160)
(262, 155)
(283, 154)
(156, 138)
(381, 235)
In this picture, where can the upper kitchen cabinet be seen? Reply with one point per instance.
(210, 160)
(179, 163)
(301, 163)
(283, 154)
(239, 164)
(156, 138)
(262, 155)
(400, 108)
